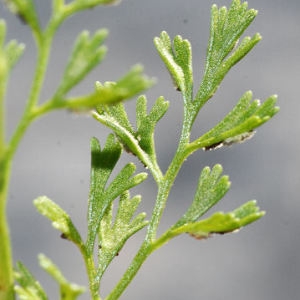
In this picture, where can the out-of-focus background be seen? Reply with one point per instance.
(261, 261)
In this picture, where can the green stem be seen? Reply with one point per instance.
(148, 245)
(165, 185)
(6, 264)
(3, 84)
(43, 45)
(94, 284)
(6, 275)
(164, 188)
(7, 154)
(91, 272)
(139, 259)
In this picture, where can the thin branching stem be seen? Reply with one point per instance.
(139, 259)
(164, 188)
(111, 232)
(6, 274)
(3, 85)
(6, 264)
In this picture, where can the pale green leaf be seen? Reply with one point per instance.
(9, 53)
(102, 164)
(110, 93)
(212, 186)
(141, 141)
(88, 52)
(239, 124)
(13, 52)
(118, 112)
(68, 290)
(222, 223)
(178, 60)
(28, 288)
(101, 196)
(133, 83)
(113, 234)
(146, 123)
(25, 10)
(124, 181)
(60, 219)
(223, 52)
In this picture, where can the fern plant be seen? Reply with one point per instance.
(107, 232)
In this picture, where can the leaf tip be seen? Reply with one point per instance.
(40, 200)
(143, 176)
(218, 168)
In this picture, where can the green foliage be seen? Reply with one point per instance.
(239, 124)
(139, 142)
(114, 234)
(29, 287)
(211, 188)
(220, 222)
(9, 53)
(108, 230)
(87, 53)
(109, 236)
(25, 10)
(178, 59)
(224, 49)
(101, 196)
(68, 290)
(223, 52)
(60, 219)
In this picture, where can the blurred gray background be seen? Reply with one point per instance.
(261, 261)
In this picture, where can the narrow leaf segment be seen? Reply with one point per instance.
(109, 235)
(139, 142)
(88, 52)
(212, 186)
(178, 59)
(68, 290)
(28, 287)
(60, 219)
(108, 230)
(239, 124)
(101, 196)
(222, 223)
(223, 52)
(114, 234)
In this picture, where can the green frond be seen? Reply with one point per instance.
(178, 60)
(139, 142)
(110, 93)
(221, 223)
(223, 51)
(28, 288)
(146, 123)
(26, 11)
(239, 124)
(9, 53)
(212, 187)
(101, 195)
(113, 234)
(60, 219)
(88, 52)
(68, 290)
